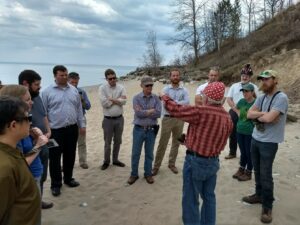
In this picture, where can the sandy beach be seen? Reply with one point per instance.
(104, 197)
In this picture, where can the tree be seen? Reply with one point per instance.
(187, 21)
(250, 10)
(273, 6)
(152, 57)
(236, 14)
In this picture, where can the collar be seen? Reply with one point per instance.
(55, 85)
(144, 96)
(179, 87)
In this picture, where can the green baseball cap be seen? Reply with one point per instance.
(267, 74)
(247, 87)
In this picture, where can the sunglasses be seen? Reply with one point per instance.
(27, 118)
(245, 91)
(149, 85)
(112, 78)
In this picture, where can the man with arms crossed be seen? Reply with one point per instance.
(113, 98)
(269, 112)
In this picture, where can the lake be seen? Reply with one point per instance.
(89, 74)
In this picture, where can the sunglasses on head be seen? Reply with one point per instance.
(27, 118)
(148, 85)
(112, 78)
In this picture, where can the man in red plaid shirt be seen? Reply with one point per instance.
(209, 128)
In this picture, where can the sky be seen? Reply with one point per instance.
(102, 32)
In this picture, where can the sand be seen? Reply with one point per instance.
(104, 198)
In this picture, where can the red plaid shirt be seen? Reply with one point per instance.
(209, 126)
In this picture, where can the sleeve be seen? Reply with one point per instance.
(230, 91)
(186, 99)
(103, 98)
(138, 109)
(257, 103)
(7, 194)
(80, 119)
(256, 90)
(281, 103)
(44, 98)
(239, 104)
(198, 91)
(157, 113)
(121, 99)
(86, 100)
(186, 113)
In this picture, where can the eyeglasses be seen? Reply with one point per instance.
(245, 91)
(112, 78)
(265, 78)
(21, 119)
(149, 85)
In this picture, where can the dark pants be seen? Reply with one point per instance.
(232, 138)
(113, 129)
(67, 141)
(44, 156)
(244, 142)
(263, 155)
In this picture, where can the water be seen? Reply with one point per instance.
(89, 74)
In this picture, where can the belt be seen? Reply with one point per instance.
(65, 127)
(189, 152)
(145, 127)
(168, 116)
(113, 117)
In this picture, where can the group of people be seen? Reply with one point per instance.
(255, 122)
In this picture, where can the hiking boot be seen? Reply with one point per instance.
(266, 215)
(238, 173)
(132, 179)
(149, 179)
(155, 171)
(252, 199)
(246, 176)
(230, 156)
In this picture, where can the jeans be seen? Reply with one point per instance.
(199, 178)
(263, 155)
(244, 142)
(140, 136)
(232, 138)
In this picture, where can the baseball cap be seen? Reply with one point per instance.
(267, 74)
(247, 87)
(146, 80)
(215, 91)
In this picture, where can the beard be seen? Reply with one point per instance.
(175, 81)
(34, 94)
(267, 89)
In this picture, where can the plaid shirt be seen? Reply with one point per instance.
(209, 126)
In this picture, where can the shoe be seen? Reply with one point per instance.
(72, 183)
(132, 180)
(252, 199)
(230, 156)
(246, 176)
(104, 166)
(119, 164)
(47, 205)
(84, 166)
(239, 173)
(149, 179)
(181, 139)
(173, 169)
(266, 215)
(55, 191)
(155, 171)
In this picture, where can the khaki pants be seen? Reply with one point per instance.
(82, 152)
(168, 125)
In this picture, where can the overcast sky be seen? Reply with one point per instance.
(106, 32)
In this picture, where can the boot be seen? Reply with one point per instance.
(246, 176)
(239, 173)
(252, 199)
(266, 215)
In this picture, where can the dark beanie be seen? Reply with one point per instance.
(247, 70)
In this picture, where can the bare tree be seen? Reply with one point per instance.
(152, 58)
(187, 20)
(273, 6)
(250, 8)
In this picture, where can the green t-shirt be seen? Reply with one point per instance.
(244, 125)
